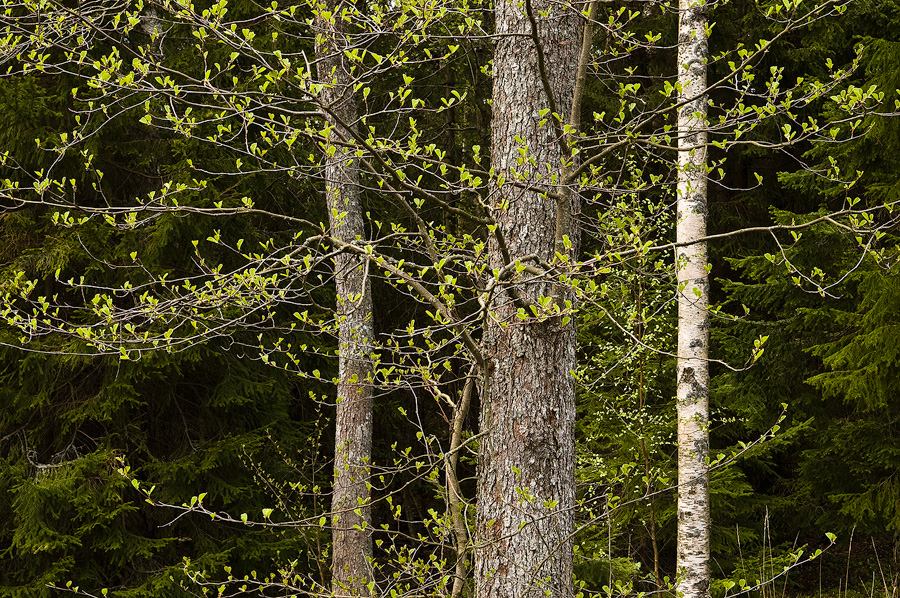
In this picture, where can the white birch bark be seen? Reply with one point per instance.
(526, 482)
(693, 303)
(351, 510)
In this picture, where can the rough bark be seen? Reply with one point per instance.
(351, 539)
(526, 482)
(693, 303)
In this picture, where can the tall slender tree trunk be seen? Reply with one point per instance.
(693, 303)
(526, 482)
(352, 517)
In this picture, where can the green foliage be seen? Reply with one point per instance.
(196, 157)
(200, 420)
(858, 458)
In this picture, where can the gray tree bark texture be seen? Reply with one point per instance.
(526, 481)
(351, 510)
(693, 306)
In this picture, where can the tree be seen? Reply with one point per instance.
(691, 265)
(526, 482)
(351, 498)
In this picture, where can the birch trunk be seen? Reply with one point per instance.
(351, 510)
(526, 482)
(693, 303)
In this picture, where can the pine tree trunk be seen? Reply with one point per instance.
(526, 482)
(693, 303)
(352, 517)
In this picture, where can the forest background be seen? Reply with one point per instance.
(171, 257)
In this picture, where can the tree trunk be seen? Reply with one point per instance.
(526, 482)
(351, 510)
(693, 303)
